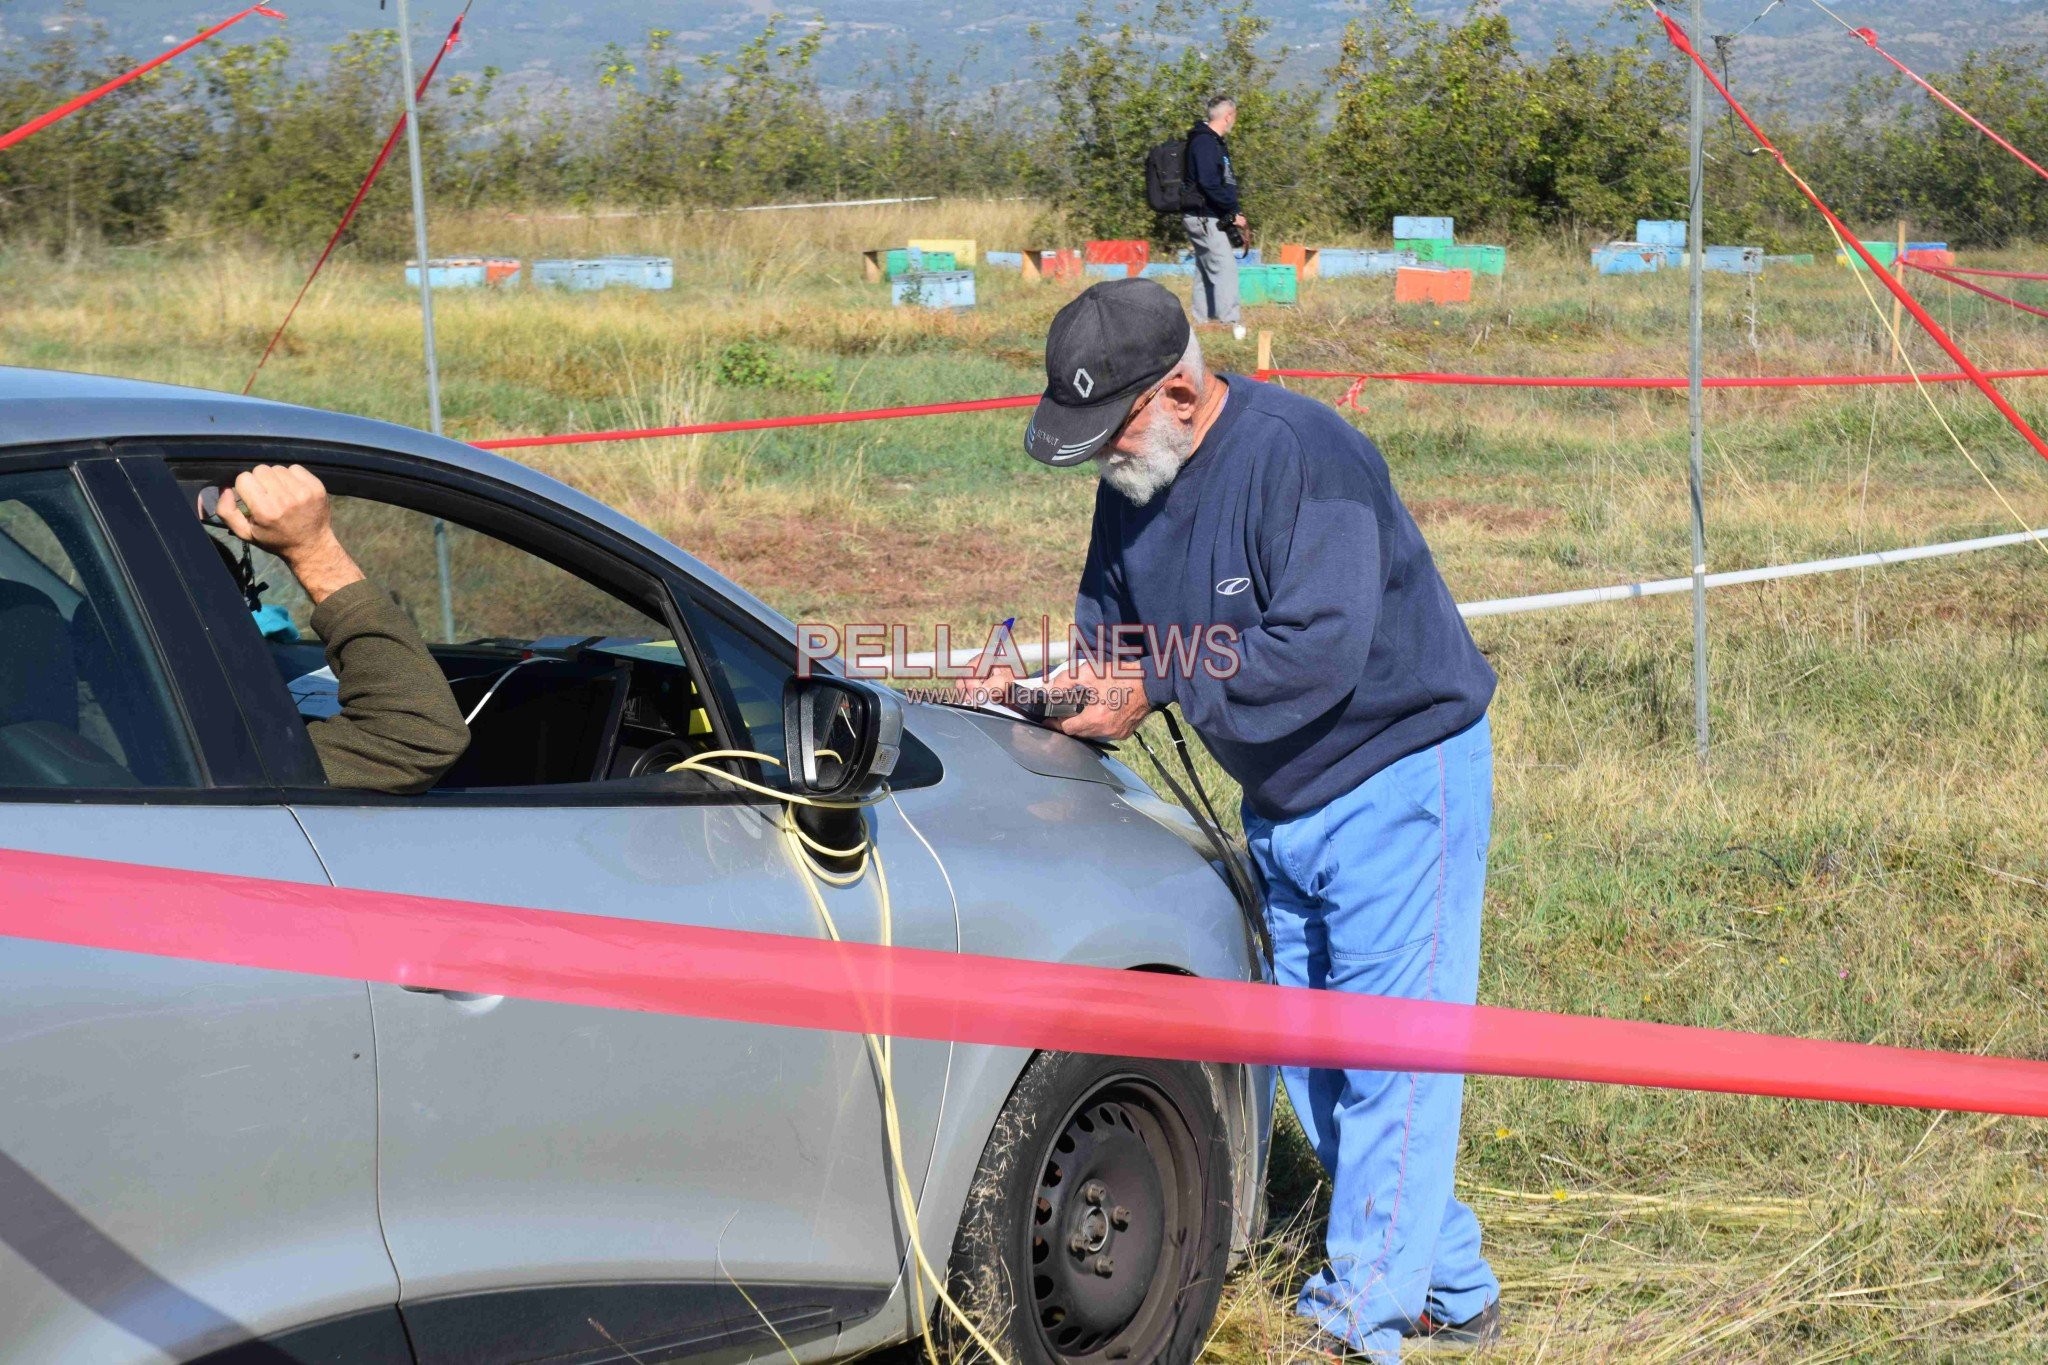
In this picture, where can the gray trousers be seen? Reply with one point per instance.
(1215, 271)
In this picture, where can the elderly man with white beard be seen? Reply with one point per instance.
(1352, 712)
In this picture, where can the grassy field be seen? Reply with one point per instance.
(1859, 860)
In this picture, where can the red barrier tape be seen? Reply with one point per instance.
(362, 192)
(1516, 381)
(809, 419)
(1941, 274)
(1869, 36)
(1899, 291)
(72, 106)
(1978, 270)
(1025, 400)
(603, 962)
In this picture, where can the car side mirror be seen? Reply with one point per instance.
(842, 736)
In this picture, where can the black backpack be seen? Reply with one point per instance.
(1166, 179)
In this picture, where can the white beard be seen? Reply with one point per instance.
(1163, 447)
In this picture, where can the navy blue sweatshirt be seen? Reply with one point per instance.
(1209, 171)
(1284, 524)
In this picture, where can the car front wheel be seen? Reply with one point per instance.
(1098, 1227)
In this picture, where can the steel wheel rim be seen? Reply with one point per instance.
(1109, 1238)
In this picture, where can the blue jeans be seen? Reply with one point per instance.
(1379, 891)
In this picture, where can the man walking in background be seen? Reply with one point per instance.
(1214, 183)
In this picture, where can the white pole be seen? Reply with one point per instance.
(419, 238)
(1694, 403)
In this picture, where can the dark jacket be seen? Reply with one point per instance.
(399, 727)
(1210, 173)
(1284, 529)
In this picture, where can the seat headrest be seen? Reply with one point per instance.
(38, 677)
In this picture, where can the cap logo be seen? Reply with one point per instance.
(1084, 383)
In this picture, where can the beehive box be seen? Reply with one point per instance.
(1052, 265)
(1163, 269)
(910, 260)
(1134, 254)
(1268, 284)
(1306, 260)
(1887, 254)
(1335, 261)
(639, 272)
(961, 249)
(1734, 260)
(1925, 246)
(1432, 284)
(574, 275)
(1934, 256)
(933, 289)
(1661, 232)
(463, 272)
(1628, 258)
(1425, 248)
(1014, 260)
(1480, 260)
(1409, 227)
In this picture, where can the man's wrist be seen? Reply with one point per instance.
(323, 568)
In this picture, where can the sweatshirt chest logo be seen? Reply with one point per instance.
(1231, 587)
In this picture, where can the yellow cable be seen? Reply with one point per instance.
(879, 1046)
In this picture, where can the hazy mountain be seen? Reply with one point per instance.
(1795, 51)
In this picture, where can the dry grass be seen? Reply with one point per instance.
(1860, 860)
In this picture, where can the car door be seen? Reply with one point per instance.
(187, 1151)
(563, 1182)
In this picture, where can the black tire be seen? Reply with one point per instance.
(1098, 1228)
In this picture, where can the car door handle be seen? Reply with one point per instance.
(471, 1002)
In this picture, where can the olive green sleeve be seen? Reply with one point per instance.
(399, 727)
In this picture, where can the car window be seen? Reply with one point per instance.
(83, 702)
(755, 675)
(561, 681)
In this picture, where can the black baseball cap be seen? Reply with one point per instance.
(1105, 349)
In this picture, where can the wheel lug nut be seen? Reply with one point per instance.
(1093, 1192)
(1104, 1266)
(1119, 1217)
(1078, 1244)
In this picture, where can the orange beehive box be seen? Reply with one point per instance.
(1413, 285)
(1136, 255)
(1052, 265)
(1304, 259)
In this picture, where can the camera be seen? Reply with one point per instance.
(1236, 235)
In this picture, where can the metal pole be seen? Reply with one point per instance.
(1694, 397)
(419, 238)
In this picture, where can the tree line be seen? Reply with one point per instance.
(1413, 115)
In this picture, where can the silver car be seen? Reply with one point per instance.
(202, 1162)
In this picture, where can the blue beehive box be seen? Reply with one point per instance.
(1628, 258)
(1407, 227)
(1660, 232)
(1734, 260)
(639, 272)
(933, 289)
(1927, 246)
(1013, 259)
(442, 273)
(569, 274)
(1162, 269)
(1333, 261)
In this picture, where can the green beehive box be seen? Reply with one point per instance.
(1887, 254)
(1425, 248)
(906, 260)
(1480, 260)
(1267, 284)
